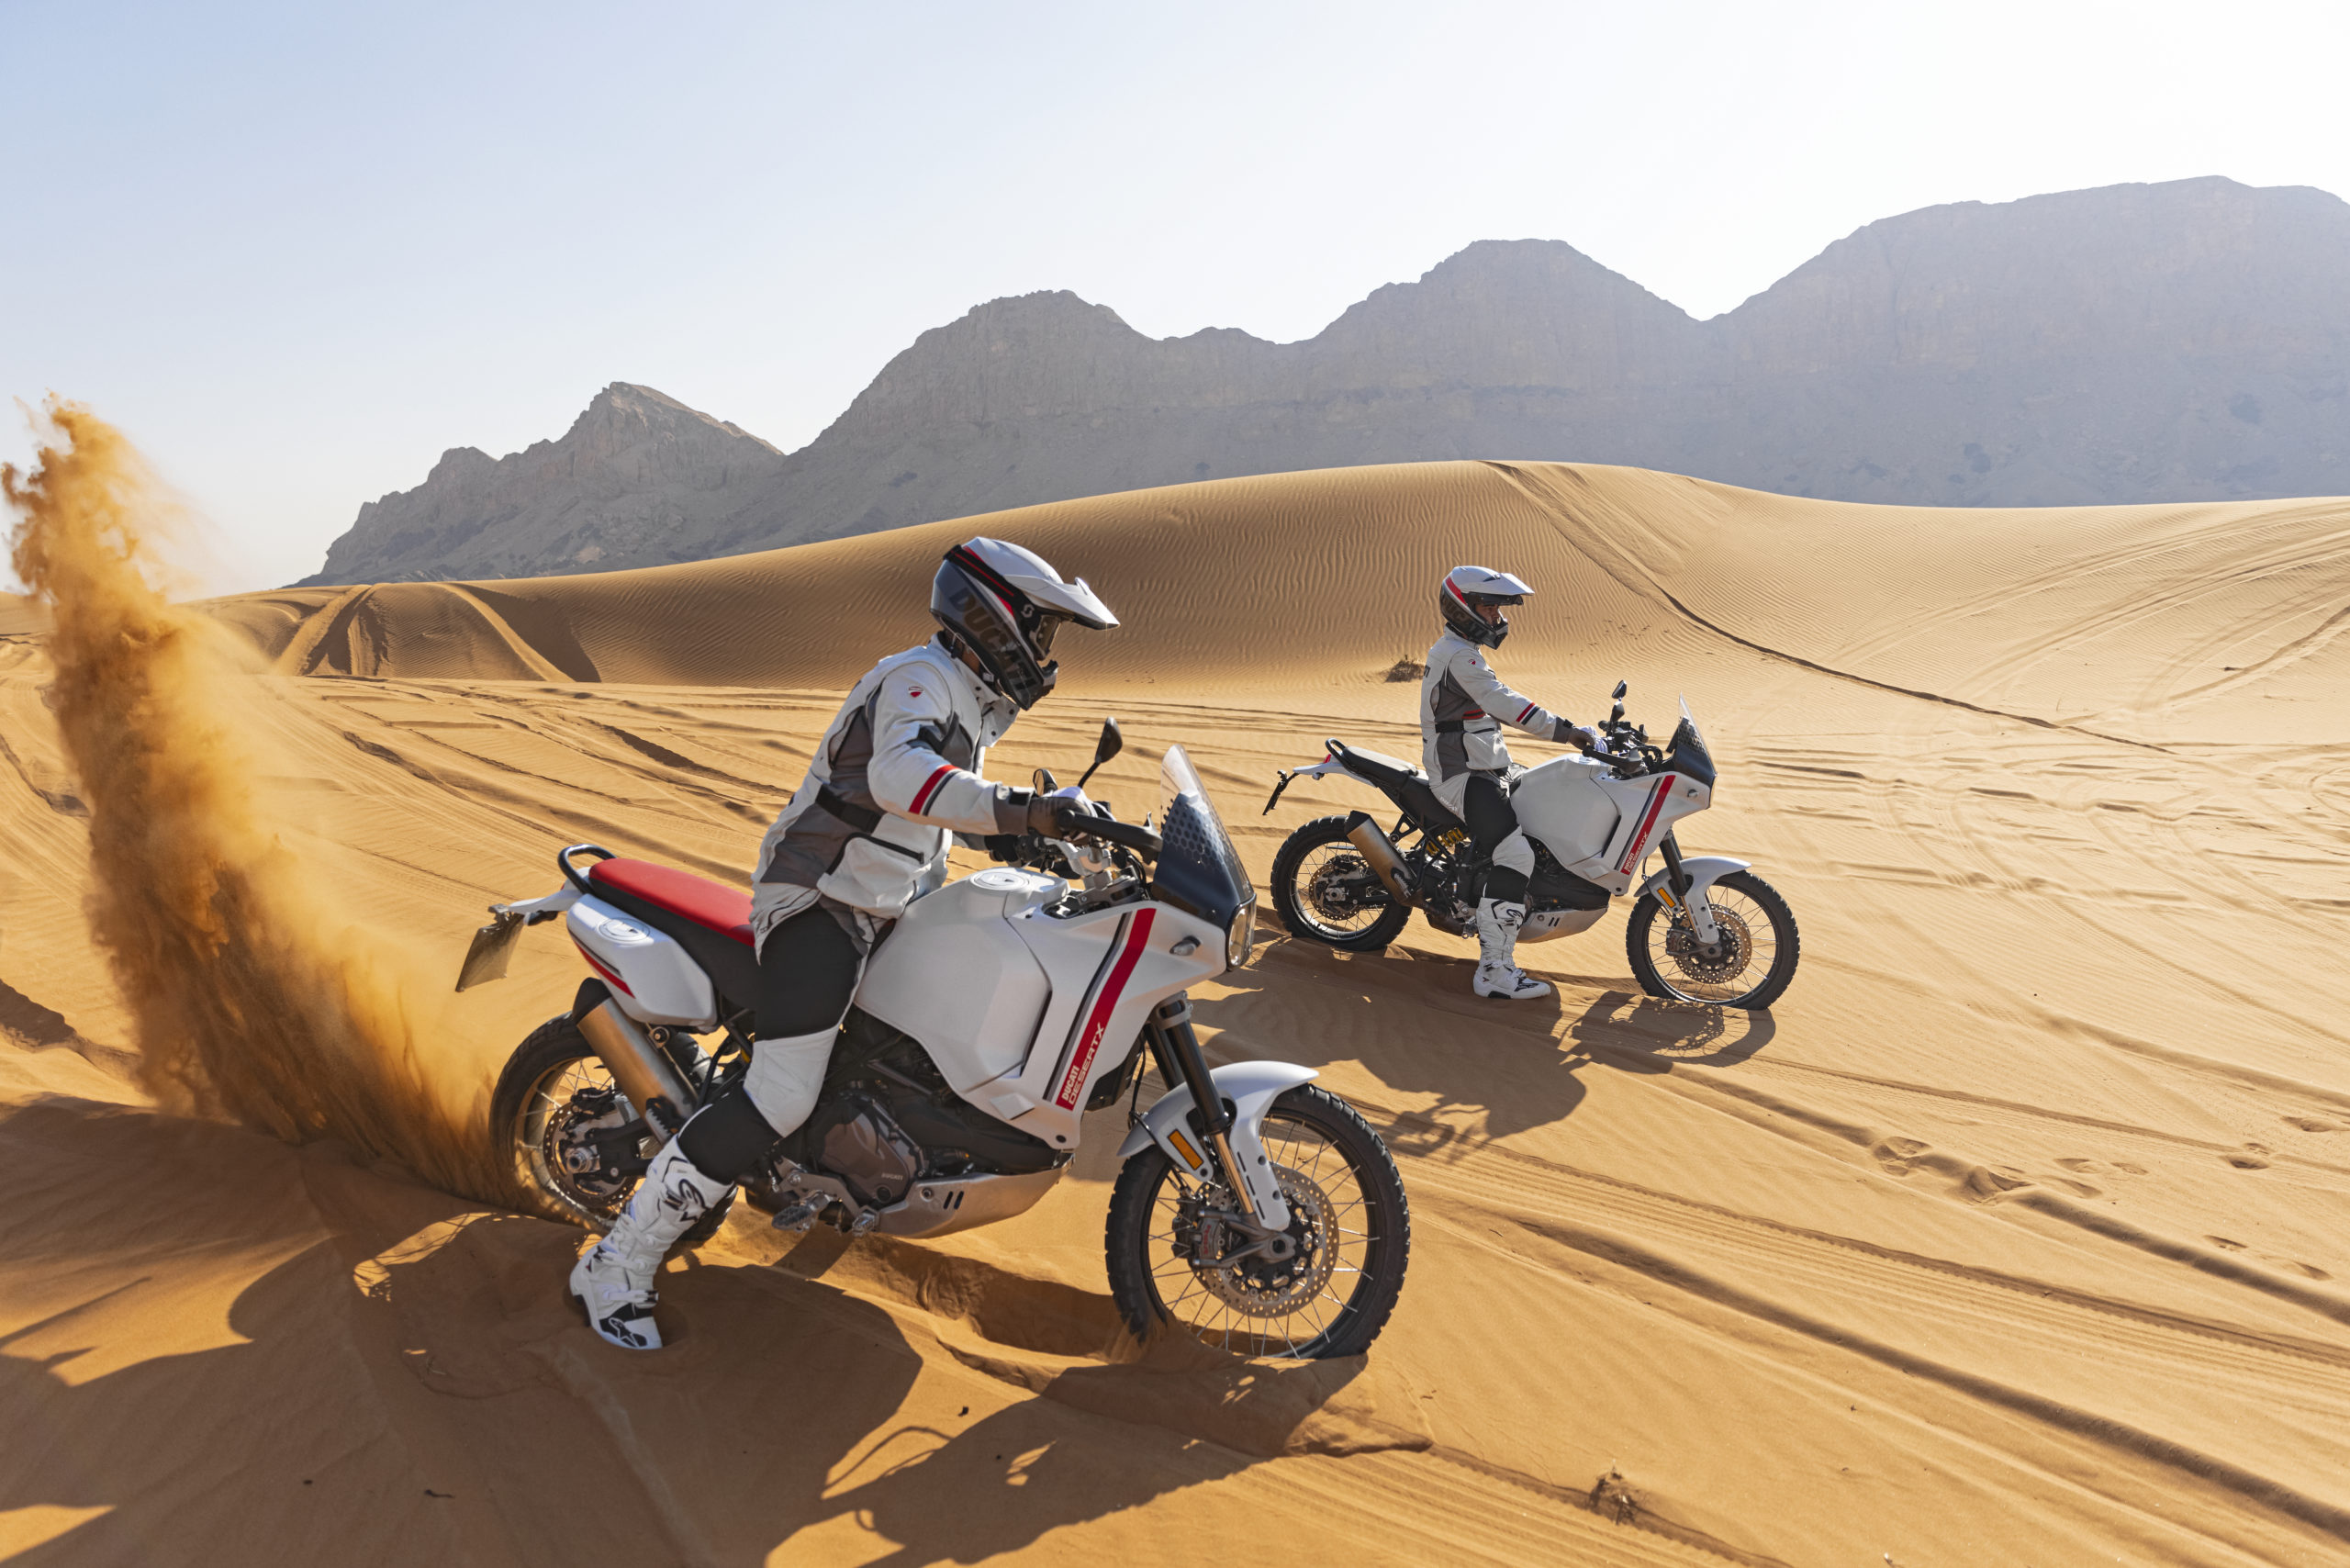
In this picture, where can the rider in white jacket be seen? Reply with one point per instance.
(1463, 705)
(866, 832)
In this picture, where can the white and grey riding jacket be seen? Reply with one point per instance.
(1463, 705)
(897, 772)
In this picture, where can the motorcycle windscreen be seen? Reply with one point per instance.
(1198, 870)
(1687, 754)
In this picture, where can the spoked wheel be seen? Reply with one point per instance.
(1749, 966)
(1326, 892)
(1176, 1261)
(564, 1125)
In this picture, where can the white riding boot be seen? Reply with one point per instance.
(1498, 971)
(614, 1282)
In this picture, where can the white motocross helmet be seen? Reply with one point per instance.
(1465, 588)
(1004, 603)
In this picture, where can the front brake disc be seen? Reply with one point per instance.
(1724, 963)
(1264, 1287)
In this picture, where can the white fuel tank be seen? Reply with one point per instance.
(1560, 803)
(953, 974)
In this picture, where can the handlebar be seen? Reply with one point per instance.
(1074, 823)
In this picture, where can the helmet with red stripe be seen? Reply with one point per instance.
(1004, 603)
(1469, 590)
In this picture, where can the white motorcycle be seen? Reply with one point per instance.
(999, 1011)
(1703, 928)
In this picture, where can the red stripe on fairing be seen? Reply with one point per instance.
(1656, 804)
(1097, 1024)
(595, 964)
(930, 785)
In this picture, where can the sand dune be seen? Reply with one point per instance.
(2019, 1232)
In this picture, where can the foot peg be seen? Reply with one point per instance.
(798, 1217)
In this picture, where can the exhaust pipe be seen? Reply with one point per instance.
(643, 1074)
(1379, 853)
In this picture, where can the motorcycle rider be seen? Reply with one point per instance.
(865, 833)
(1463, 706)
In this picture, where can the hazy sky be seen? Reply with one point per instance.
(297, 250)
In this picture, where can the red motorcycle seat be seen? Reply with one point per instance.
(710, 904)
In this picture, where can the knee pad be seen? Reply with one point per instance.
(1515, 853)
(785, 1077)
(728, 1138)
(1512, 863)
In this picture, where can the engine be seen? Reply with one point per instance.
(887, 1118)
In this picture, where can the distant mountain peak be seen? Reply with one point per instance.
(2182, 340)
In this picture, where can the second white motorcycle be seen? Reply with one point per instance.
(1703, 928)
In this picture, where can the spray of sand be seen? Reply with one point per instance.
(254, 997)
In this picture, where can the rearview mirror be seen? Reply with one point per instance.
(1045, 782)
(1621, 688)
(1111, 744)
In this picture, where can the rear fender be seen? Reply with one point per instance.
(1252, 1087)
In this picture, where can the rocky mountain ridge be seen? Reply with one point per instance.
(2188, 340)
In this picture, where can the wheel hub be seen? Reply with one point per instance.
(573, 1149)
(1715, 963)
(1341, 887)
(1268, 1277)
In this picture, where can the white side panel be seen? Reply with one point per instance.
(1649, 805)
(1108, 970)
(653, 978)
(1562, 803)
(954, 976)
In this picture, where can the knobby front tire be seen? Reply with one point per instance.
(1773, 948)
(1355, 1242)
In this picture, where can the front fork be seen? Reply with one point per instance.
(1175, 1050)
(1678, 895)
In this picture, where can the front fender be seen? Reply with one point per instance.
(1703, 871)
(1252, 1087)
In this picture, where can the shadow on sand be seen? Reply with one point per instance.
(382, 1374)
(1408, 1017)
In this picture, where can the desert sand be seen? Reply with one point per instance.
(2019, 1232)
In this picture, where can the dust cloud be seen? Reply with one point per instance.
(253, 998)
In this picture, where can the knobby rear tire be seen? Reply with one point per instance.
(1787, 946)
(1129, 1234)
(1287, 862)
(551, 1049)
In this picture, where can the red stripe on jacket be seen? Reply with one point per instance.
(930, 786)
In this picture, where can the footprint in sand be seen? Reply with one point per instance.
(2311, 1123)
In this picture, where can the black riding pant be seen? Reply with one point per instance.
(808, 968)
(1492, 824)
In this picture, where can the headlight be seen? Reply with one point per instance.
(1237, 938)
